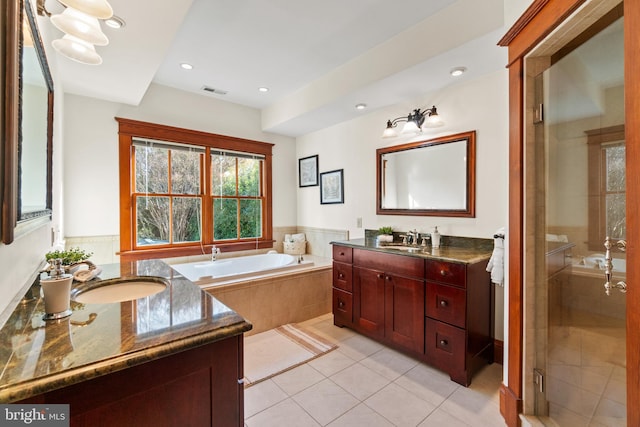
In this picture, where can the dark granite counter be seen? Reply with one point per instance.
(460, 250)
(98, 339)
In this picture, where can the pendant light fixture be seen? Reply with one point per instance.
(80, 25)
(77, 50)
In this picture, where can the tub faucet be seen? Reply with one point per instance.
(214, 252)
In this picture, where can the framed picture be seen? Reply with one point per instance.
(308, 171)
(332, 187)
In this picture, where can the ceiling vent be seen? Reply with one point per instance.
(214, 90)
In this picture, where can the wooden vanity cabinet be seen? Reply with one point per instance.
(438, 311)
(458, 323)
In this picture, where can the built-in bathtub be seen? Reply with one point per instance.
(269, 290)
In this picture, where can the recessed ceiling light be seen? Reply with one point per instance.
(458, 71)
(115, 22)
(361, 106)
(263, 89)
(186, 66)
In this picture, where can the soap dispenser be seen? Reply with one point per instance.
(435, 238)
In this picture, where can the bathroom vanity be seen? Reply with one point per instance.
(172, 358)
(435, 305)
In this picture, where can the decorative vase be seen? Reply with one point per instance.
(57, 296)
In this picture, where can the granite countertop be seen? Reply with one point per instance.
(461, 250)
(97, 339)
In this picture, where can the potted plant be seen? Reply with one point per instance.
(69, 257)
(385, 234)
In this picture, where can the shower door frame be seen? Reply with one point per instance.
(537, 22)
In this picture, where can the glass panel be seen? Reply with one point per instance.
(248, 177)
(225, 219)
(152, 220)
(223, 175)
(580, 331)
(185, 172)
(186, 219)
(250, 218)
(152, 170)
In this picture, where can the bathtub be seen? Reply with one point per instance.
(593, 265)
(229, 269)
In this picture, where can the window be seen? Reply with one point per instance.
(182, 191)
(607, 198)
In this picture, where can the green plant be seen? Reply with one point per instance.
(385, 230)
(68, 256)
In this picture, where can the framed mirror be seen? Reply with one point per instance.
(435, 177)
(28, 125)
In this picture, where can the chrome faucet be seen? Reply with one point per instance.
(412, 237)
(214, 252)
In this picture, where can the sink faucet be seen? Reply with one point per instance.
(412, 237)
(214, 252)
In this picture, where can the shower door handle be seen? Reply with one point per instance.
(608, 266)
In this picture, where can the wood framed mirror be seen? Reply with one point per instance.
(28, 123)
(435, 177)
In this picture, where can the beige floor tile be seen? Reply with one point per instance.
(360, 381)
(332, 362)
(298, 379)
(361, 416)
(261, 396)
(428, 384)
(389, 363)
(440, 418)
(336, 333)
(473, 408)
(358, 347)
(286, 413)
(399, 406)
(325, 401)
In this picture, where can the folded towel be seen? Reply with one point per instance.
(86, 275)
(496, 262)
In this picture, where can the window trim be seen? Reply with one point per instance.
(130, 129)
(596, 139)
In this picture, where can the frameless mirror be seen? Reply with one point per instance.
(433, 178)
(28, 97)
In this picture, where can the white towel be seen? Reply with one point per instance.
(496, 262)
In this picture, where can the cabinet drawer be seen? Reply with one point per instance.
(342, 254)
(342, 278)
(444, 345)
(342, 307)
(446, 303)
(399, 265)
(447, 272)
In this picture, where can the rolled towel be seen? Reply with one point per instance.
(86, 275)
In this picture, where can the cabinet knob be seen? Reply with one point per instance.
(341, 253)
(380, 275)
(341, 304)
(443, 303)
(340, 276)
(389, 278)
(443, 273)
(444, 342)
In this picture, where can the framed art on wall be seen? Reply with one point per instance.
(308, 171)
(332, 187)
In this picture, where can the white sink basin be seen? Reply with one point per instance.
(118, 290)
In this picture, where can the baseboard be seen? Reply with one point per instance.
(498, 351)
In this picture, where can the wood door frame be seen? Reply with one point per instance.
(537, 22)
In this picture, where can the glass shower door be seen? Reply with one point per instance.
(580, 147)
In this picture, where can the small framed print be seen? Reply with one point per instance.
(308, 171)
(332, 187)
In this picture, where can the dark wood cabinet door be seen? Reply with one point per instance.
(404, 312)
(368, 300)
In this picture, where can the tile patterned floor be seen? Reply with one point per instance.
(364, 383)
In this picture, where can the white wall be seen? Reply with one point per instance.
(480, 105)
(91, 145)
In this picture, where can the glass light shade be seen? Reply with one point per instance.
(389, 132)
(80, 25)
(410, 127)
(100, 9)
(77, 50)
(433, 121)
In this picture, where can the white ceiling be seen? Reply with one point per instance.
(318, 58)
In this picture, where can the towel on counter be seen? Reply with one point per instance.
(496, 262)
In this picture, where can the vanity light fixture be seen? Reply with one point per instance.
(80, 23)
(415, 121)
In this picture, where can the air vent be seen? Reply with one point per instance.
(214, 90)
